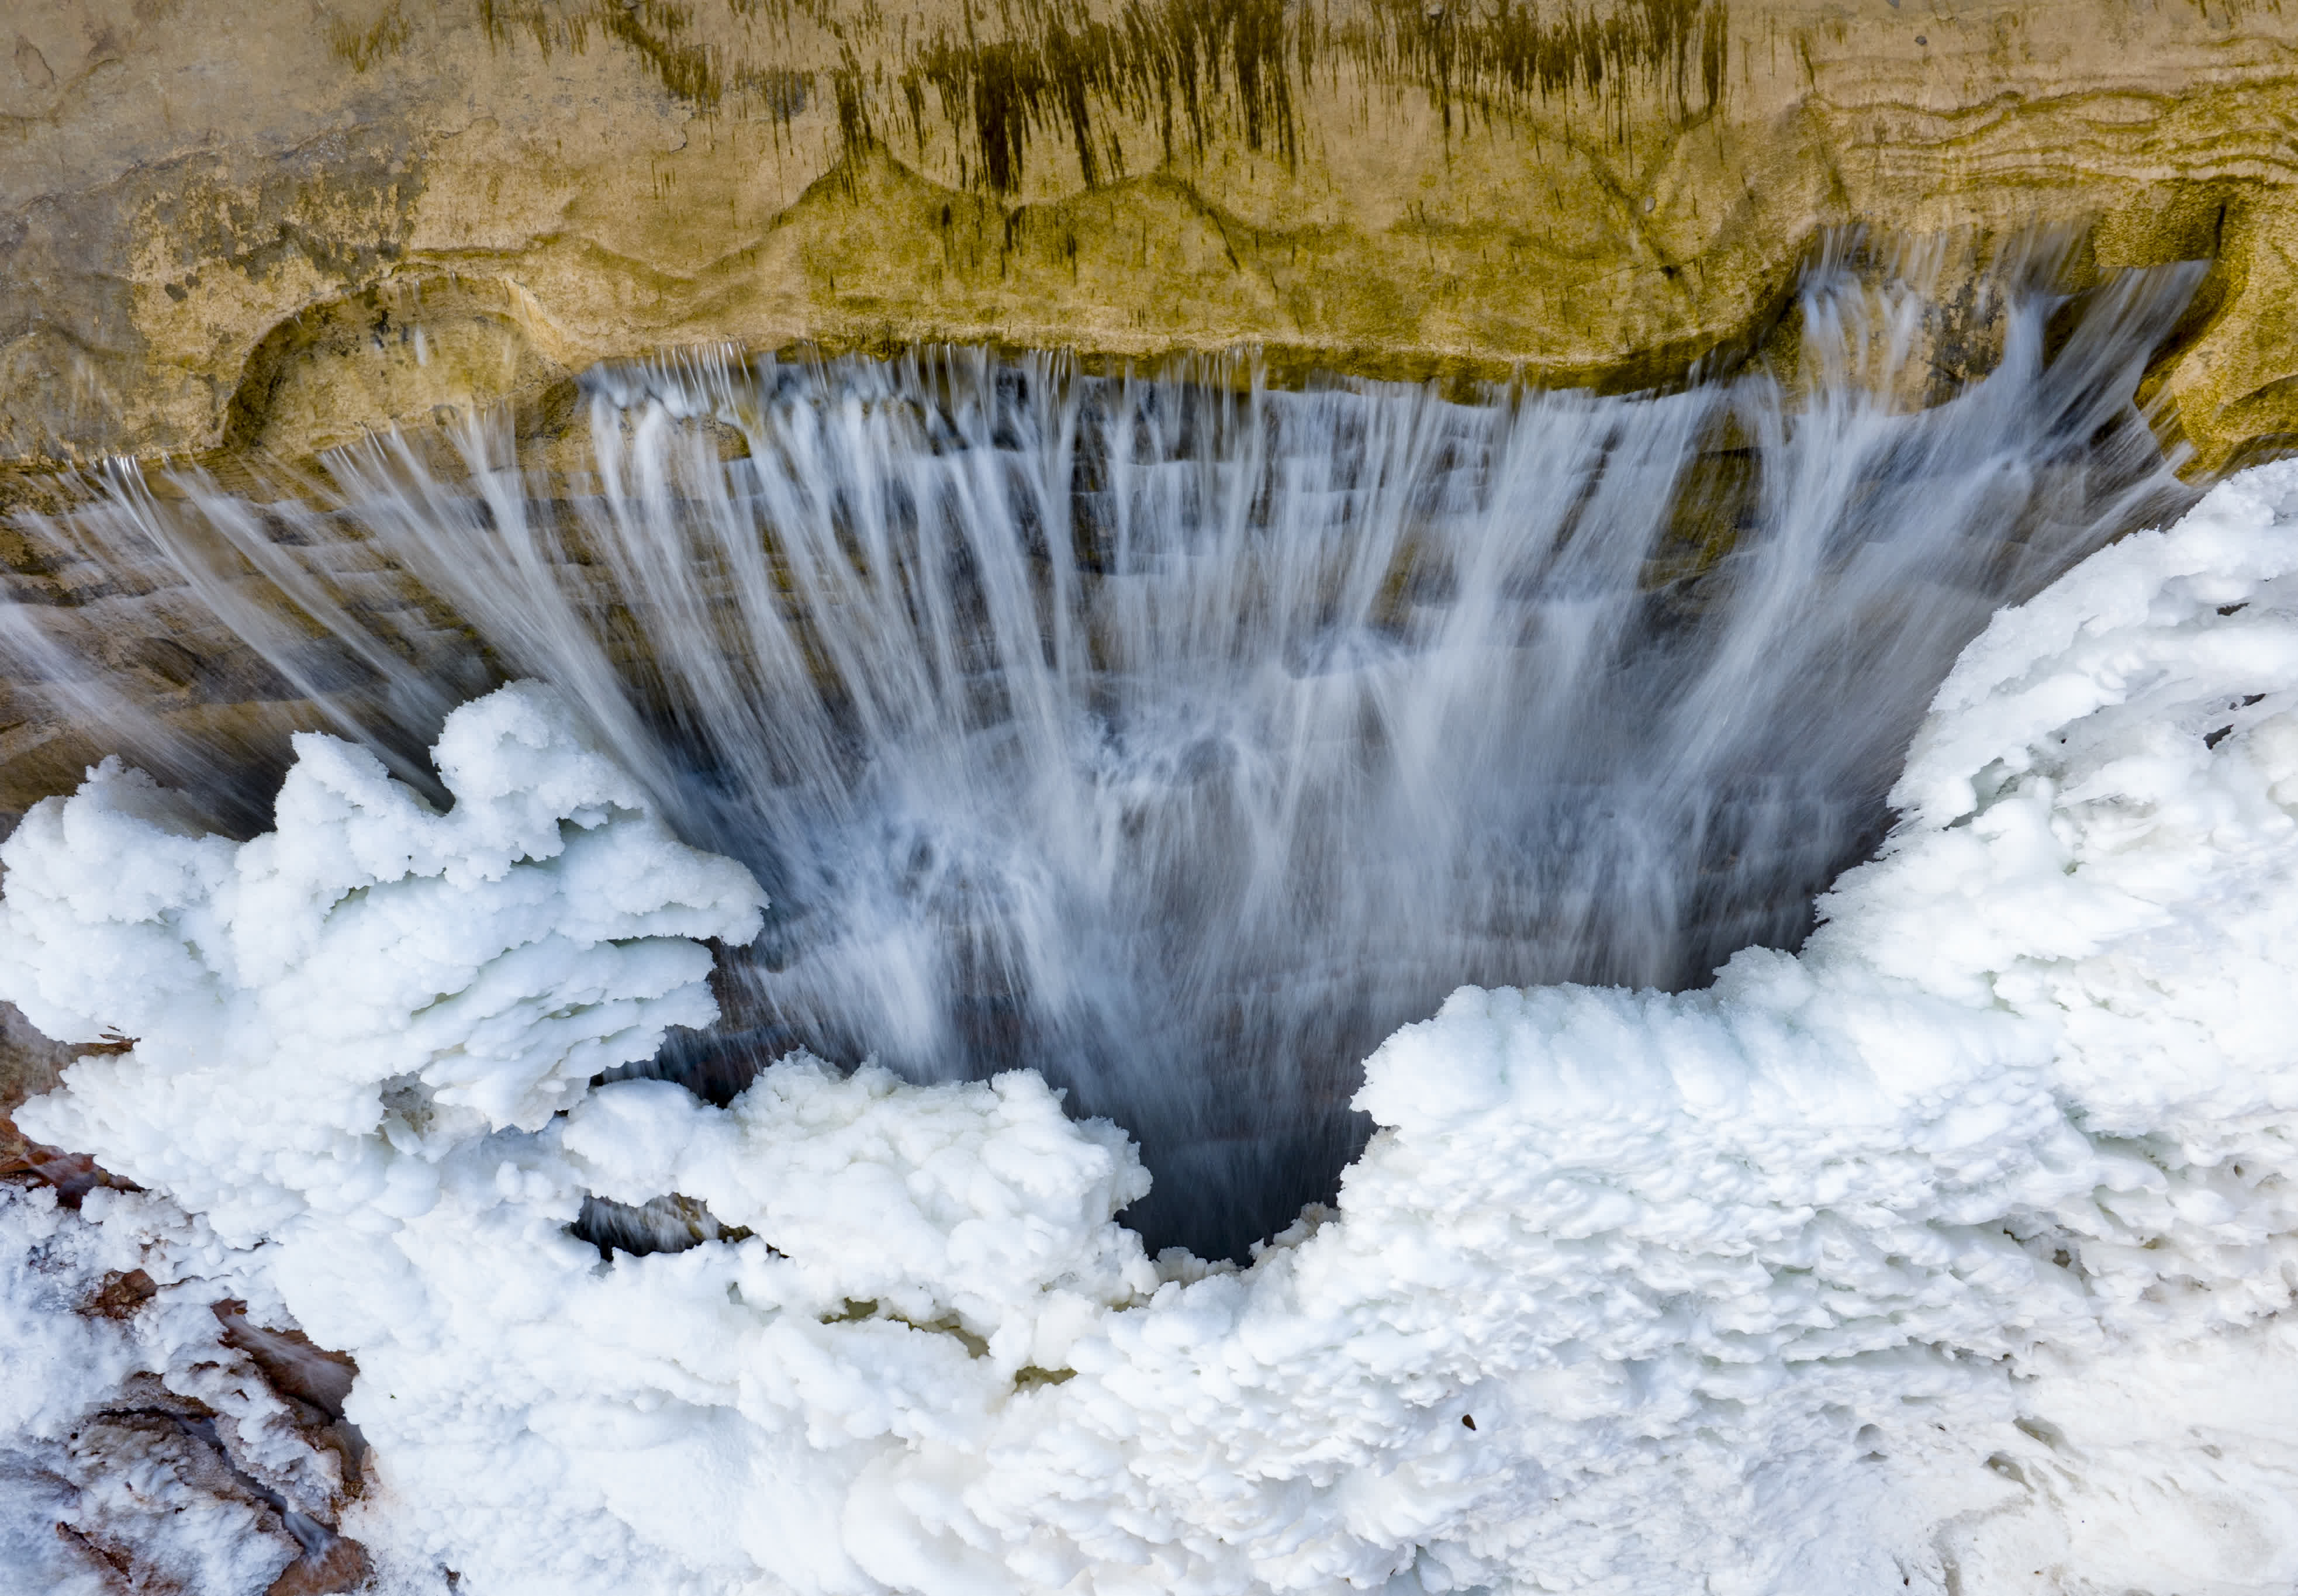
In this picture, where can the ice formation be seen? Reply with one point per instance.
(142, 1446)
(1948, 1253)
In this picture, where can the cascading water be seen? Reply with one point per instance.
(1175, 737)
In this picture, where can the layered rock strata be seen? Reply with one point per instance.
(237, 223)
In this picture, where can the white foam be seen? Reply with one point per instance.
(1749, 1289)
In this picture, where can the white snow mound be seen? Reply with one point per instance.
(1953, 1253)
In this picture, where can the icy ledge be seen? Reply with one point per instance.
(1951, 1254)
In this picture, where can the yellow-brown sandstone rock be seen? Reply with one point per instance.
(238, 222)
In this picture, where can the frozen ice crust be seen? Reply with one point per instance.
(1952, 1248)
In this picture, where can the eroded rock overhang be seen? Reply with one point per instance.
(236, 223)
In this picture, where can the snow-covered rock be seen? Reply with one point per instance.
(1952, 1253)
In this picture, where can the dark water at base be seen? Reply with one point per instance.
(1174, 737)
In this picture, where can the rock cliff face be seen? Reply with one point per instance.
(236, 223)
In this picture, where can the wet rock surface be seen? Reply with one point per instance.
(197, 1452)
(238, 1430)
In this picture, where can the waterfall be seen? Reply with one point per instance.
(1171, 735)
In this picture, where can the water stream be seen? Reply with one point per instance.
(1171, 735)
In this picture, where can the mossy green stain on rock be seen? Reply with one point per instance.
(1193, 68)
(361, 47)
(655, 30)
(1197, 69)
(1500, 55)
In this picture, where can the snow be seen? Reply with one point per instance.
(140, 1436)
(1952, 1253)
